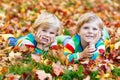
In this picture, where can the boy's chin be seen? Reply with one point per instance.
(88, 41)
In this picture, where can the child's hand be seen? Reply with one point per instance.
(91, 48)
(87, 52)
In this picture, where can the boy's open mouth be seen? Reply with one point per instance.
(44, 40)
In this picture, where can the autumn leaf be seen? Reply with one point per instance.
(42, 75)
(6, 36)
(12, 77)
(12, 56)
(57, 69)
(36, 57)
(117, 45)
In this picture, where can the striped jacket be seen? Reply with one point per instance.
(73, 47)
(27, 40)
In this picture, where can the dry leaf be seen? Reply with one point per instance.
(57, 69)
(12, 77)
(117, 45)
(36, 57)
(42, 75)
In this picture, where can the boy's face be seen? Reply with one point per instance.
(89, 31)
(45, 35)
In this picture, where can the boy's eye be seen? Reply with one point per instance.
(44, 30)
(86, 27)
(94, 28)
(52, 33)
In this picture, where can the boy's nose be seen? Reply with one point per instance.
(90, 31)
(47, 34)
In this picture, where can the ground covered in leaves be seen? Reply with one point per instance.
(17, 16)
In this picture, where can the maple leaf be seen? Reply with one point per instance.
(12, 77)
(36, 57)
(13, 56)
(3, 70)
(41, 75)
(57, 69)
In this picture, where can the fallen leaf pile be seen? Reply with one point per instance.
(16, 19)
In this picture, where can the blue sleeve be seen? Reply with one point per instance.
(12, 41)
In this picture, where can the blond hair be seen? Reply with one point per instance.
(89, 17)
(47, 19)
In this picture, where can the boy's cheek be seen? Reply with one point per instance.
(37, 39)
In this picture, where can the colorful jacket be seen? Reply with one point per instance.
(73, 47)
(27, 40)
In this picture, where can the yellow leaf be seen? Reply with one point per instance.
(98, 76)
(111, 66)
(22, 10)
(18, 33)
(111, 47)
(106, 42)
(107, 75)
(6, 36)
(71, 9)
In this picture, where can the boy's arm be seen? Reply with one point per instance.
(69, 51)
(12, 41)
(27, 40)
(74, 57)
(62, 39)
